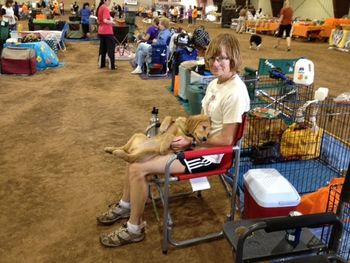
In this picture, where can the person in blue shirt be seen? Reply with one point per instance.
(151, 33)
(85, 13)
(145, 49)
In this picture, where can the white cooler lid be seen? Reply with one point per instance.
(270, 189)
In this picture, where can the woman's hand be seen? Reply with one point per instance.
(180, 143)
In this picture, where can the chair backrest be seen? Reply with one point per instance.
(121, 33)
(159, 54)
(227, 160)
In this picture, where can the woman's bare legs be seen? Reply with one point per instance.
(138, 185)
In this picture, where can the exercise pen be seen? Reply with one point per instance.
(308, 160)
(322, 156)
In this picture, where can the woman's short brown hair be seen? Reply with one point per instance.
(165, 22)
(230, 44)
(156, 21)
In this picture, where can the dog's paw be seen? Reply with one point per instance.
(117, 152)
(109, 149)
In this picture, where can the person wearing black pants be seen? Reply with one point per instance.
(105, 32)
(107, 47)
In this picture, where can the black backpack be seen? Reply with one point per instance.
(201, 37)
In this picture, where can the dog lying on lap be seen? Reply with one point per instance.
(140, 147)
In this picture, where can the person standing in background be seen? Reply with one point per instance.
(62, 8)
(9, 14)
(105, 32)
(85, 13)
(241, 20)
(16, 10)
(285, 24)
(189, 15)
(194, 15)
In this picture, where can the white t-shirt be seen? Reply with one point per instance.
(9, 16)
(225, 103)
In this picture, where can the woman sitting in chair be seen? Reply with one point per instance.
(225, 102)
(151, 33)
(144, 49)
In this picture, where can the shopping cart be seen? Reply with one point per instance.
(339, 203)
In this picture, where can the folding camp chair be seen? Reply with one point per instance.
(232, 154)
(158, 65)
(130, 21)
(122, 51)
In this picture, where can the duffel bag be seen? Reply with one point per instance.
(16, 60)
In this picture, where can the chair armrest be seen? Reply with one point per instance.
(206, 151)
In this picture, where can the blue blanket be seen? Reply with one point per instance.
(45, 56)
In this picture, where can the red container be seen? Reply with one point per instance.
(268, 194)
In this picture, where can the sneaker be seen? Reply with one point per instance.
(121, 237)
(275, 46)
(258, 47)
(114, 213)
(137, 70)
(288, 49)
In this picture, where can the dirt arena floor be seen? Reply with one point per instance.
(55, 177)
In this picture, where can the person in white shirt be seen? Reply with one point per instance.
(225, 101)
(9, 14)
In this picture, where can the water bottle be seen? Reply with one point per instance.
(154, 123)
(293, 235)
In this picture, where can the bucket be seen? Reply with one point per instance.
(304, 72)
(195, 93)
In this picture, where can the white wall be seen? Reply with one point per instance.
(315, 9)
(311, 9)
(145, 3)
(265, 5)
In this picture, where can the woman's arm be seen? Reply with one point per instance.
(146, 37)
(224, 138)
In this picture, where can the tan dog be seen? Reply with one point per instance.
(140, 147)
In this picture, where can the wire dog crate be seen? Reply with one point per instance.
(273, 85)
(309, 154)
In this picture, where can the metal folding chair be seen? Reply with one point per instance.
(158, 65)
(232, 155)
(122, 51)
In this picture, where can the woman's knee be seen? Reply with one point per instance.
(136, 172)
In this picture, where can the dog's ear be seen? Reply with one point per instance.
(193, 121)
(166, 123)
